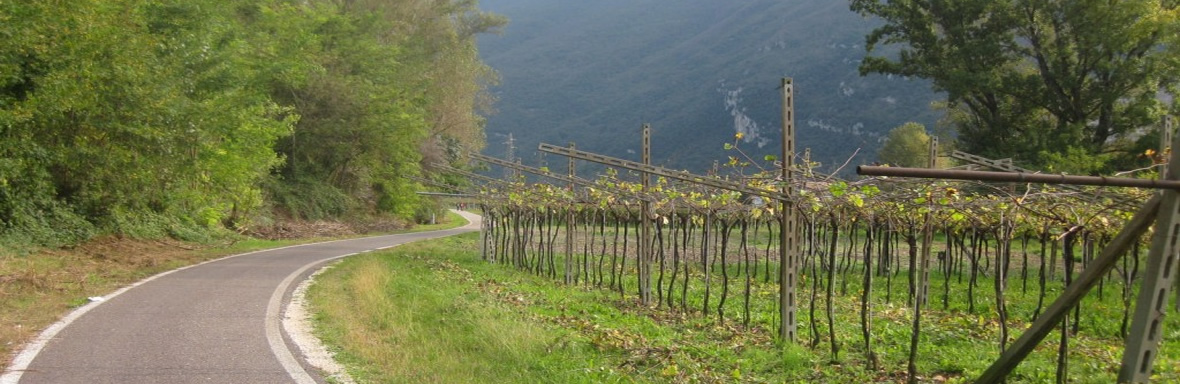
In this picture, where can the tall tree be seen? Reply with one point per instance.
(908, 145)
(1055, 83)
(122, 115)
(396, 82)
(124, 109)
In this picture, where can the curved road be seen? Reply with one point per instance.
(217, 322)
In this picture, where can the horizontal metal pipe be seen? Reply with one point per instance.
(445, 194)
(569, 179)
(1016, 177)
(659, 171)
(528, 169)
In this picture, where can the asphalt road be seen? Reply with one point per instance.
(217, 322)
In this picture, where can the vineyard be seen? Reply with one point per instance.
(948, 260)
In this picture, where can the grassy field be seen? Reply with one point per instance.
(435, 312)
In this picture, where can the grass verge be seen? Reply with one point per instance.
(434, 312)
(431, 312)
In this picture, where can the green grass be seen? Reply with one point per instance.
(403, 316)
(450, 220)
(432, 312)
(437, 304)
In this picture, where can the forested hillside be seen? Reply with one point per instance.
(699, 71)
(170, 117)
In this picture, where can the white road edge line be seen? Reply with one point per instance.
(298, 325)
(274, 331)
(20, 363)
(274, 326)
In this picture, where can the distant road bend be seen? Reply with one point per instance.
(217, 322)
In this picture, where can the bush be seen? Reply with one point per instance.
(309, 199)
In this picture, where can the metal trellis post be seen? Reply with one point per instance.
(923, 287)
(1142, 344)
(569, 226)
(1166, 133)
(1146, 331)
(645, 224)
(788, 236)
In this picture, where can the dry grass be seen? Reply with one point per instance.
(422, 322)
(37, 289)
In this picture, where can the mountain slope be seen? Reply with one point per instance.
(699, 71)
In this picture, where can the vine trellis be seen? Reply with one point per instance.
(712, 246)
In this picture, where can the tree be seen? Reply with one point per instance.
(126, 109)
(395, 84)
(139, 116)
(908, 145)
(1043, 81)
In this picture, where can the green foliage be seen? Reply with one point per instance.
(135, 107)
(374, 111)
(1028, 77)
(907, 145)
(309, 199)
(144, 116)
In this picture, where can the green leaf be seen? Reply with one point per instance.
(838, 189)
